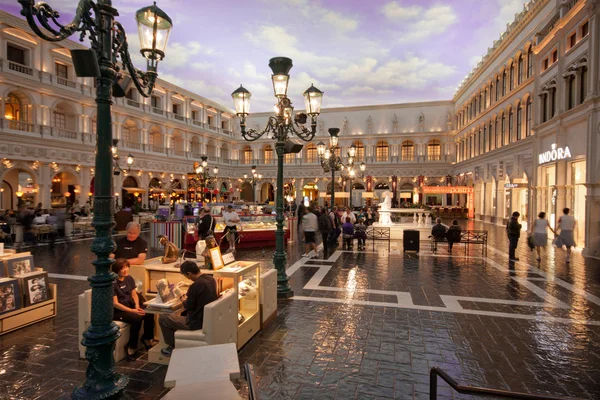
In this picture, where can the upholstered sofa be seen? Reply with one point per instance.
(85, 312)
(219, 324)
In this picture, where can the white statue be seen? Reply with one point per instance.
(385, 217)
(321, 125)
(345, 126)
(369, 125)
(422, 122)
(395, 124)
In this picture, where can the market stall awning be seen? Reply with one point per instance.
(180, 190)
(135, 189)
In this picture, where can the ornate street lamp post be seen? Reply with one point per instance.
(283, 124)
(330, 161)
(352, 174)
(256, 178)
(203, 173)
(108, 43)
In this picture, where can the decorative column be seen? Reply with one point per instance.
(85, 181)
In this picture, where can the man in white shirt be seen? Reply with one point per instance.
(348, 213)
(231, 218)
(311, 226)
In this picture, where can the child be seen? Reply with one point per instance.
(348, 234)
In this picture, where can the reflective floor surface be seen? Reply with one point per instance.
(368, 325)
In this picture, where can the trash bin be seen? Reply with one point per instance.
(411, 240)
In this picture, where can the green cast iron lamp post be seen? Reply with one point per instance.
(330, 161)
(280, 126)
(96, 22)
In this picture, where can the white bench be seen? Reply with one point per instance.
(85, 314)
(218, 326)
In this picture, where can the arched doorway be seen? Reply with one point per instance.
(128, 196)
(310, 192)
(246, 192)
(64, 190)
(6, 196)
(406, 193)
(156, 193)
(266, 193)
(357, 190)
(16, 107)
(20, 185)
(224, 192)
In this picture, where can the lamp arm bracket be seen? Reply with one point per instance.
(251, 135)
(82, 21)
(143, 81)
(303, 133)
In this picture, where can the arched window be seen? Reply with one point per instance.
(434, 150)
(552, 102)
(247, 155)
(529, 62)
(268, 153)
(504, 83)
(509, 137)
(480, 102)
(490, 138)
(491, 92)
(311, 153)
(583, 84)
(15, 112)
(511, 77)
(289, 158)
(520, 69)
(408, 150)
(519, 121)
(528, 113)
(544, 97)
(360, 151)
(484, 145)
(382, 151)
(497, 88)
(485, 98)
(496, 135)
(503, 131)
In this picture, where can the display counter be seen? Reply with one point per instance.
(254, 230)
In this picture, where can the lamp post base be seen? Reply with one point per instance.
(92, 393)
(285, 294)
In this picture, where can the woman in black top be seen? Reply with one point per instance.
(127, 308)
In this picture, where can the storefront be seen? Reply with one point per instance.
(516, 194)
(561, 177)
(444, 190)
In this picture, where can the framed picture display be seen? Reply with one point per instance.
(216, 258)
(35, 288)
(18, 266)
(10, 295)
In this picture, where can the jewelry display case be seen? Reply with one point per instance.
(254, 230)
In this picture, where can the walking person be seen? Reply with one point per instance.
(337, 227)
(325, 227)
(566, 225)
(540, 233)
(311, 226)
(513, 231)
(453, 235)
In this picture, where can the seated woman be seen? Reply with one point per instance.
(127, 308)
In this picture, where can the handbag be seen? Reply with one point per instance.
(530, 242)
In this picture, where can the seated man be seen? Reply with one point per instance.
(439, 230)
(132, 247)
(200, 293)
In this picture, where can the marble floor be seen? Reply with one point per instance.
(367, 325)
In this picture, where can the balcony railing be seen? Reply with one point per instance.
(23, 69)
(226, 132)
(133, 145)
(158, 111)
(180, 153)
(133, 103)
(212, 128)
(434, 157)
(178, 117)
(156, 149)
(197, 123)
(63, 133)
(66, 82)
(17, 125)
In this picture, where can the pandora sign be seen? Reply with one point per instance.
(554, 154)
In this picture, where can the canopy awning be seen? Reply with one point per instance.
(135, 189)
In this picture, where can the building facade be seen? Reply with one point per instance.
(522, 131)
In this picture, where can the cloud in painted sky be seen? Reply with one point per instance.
(358, 52)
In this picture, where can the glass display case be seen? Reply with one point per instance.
(254, 230)
(244, 278)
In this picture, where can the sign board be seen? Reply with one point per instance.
(554, 154)
(515, 185)
(216, 258)
(447, 189)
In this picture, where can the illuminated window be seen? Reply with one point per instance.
(126, 133)
(382, 151)
(268, 154)
(360, 151)
(247, 155)
(434, 150)
(408, 151)
(59, 120)
(311, 153)
(62, 71)
(289, 158)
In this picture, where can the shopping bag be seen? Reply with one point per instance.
(530, 242)
(558, 242)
